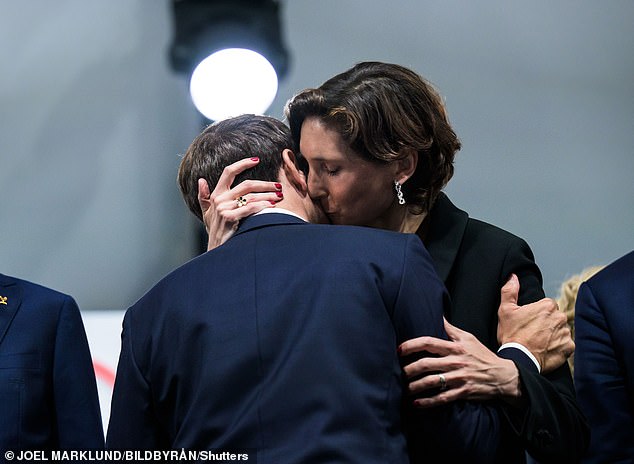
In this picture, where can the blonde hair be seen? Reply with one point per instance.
(568, 297)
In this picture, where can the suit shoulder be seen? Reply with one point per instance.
(33, 290)
(393, 249)
(43, 303)
(338, 232)
(172, 282)
(616, 276)
(481, 229)
(493, 239)
(622, 268)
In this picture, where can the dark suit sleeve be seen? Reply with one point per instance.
(600, 383)
(518, 357)
(132, 422)
(75, 388)
(549, 423)
(457, 432)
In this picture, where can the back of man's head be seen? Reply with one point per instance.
(225, 142)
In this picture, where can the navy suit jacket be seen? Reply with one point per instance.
(48, 393)
(604, 360)
(283, 341)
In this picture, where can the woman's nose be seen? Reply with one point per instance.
(315, 188)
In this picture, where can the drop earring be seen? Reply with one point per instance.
(399, 193)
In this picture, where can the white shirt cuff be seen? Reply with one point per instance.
(524, 350)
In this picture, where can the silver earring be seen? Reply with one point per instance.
(399, 193)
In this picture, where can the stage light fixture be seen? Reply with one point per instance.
(232, 51)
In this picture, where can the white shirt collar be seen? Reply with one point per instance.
(282, 211)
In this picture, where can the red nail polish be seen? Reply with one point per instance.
(399, 350)
(255, 158)
(279, 194)
(272, 202)
(278, 186)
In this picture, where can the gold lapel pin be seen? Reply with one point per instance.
(3, 300)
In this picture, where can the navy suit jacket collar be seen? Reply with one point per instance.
(13, 295)
(446, 229)
(268, 219)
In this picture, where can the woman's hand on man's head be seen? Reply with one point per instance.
(224, 207)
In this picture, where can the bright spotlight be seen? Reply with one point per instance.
(231, 82)
(214, 44)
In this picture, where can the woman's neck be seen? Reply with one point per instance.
(411, 222)
(400, 219)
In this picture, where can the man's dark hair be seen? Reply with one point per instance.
(225, 142)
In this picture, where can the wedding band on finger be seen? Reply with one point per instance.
(241, 201)
(443, 382)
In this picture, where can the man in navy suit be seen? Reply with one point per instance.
(283, 341)
(48, 393)
(604, 361)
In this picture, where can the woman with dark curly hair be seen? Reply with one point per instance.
(378, 149)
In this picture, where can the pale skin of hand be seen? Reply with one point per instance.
(539, 326)
(220, 210)
(471, 370)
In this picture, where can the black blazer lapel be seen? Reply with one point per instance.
(446, 229)
(10, 301)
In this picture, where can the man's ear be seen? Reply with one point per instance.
(406, 166)
(294, 175)
(204, 196)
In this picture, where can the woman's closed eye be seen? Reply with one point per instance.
(331, 170)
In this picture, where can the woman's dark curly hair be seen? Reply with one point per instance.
(383, 110)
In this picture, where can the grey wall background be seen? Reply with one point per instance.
(92, 122)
